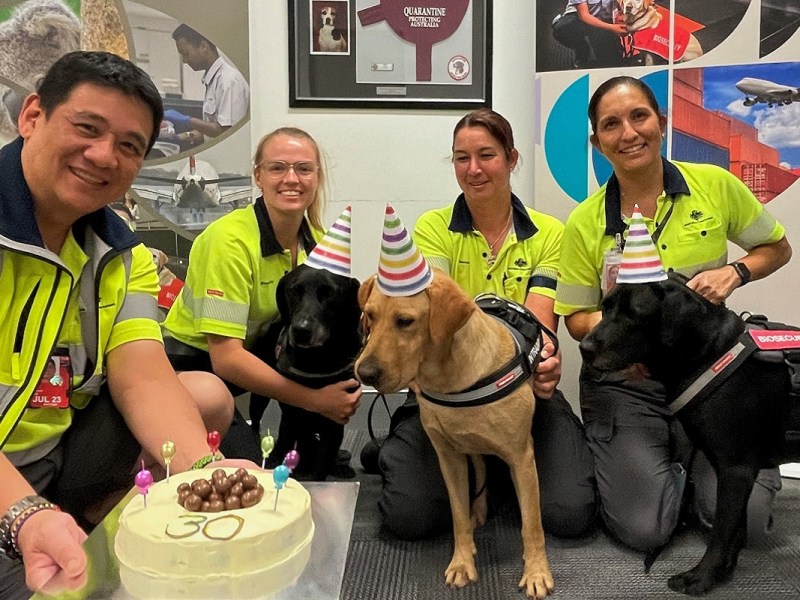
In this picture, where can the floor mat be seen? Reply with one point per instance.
(591, 568)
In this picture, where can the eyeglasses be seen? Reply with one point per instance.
(279, 168)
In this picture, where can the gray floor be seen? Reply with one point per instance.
(593, 568)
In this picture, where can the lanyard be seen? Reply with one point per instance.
(660, 228)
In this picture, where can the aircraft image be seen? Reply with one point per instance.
(197, 186)
(766, 92)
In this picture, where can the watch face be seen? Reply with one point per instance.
(742, 271)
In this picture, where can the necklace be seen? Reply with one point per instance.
(502, 235)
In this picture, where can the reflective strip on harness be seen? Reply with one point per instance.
(724, 363)
(483, 395)
(493, 387)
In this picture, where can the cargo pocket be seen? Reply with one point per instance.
(600, 431)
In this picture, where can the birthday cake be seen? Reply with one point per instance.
(245, 548)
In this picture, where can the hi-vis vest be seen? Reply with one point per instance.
(35, 288)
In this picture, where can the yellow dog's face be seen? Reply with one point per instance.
(633, 7)
(405, 331)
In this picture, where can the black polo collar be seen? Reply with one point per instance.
(269, 243)
(674, 185)
(461, 221)
(17, 220)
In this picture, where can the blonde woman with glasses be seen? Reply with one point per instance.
(234, 268)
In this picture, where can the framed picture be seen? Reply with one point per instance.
(424, 54)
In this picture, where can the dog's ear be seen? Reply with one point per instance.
(685, 318)
(351, 294)
(450, 307)
(365, 290)
(280, 299)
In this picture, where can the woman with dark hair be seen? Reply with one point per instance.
(692, 211)
(489, 241)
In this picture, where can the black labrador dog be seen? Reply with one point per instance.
(315, 342)
(739, 420)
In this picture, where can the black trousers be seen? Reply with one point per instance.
(240, 441)
(414, 501)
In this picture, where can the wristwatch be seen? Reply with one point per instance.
(742, 271)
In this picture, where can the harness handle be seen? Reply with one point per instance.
(370, 429)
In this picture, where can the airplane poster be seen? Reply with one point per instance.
(756, 108)
(191, 193)
(778, 125)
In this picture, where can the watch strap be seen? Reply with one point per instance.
(742, 271)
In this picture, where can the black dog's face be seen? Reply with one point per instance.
(630, 330)
(665, 326)
(317, 305)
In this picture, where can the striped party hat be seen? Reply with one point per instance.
(402, 270)
(332, 252)
(640, 260)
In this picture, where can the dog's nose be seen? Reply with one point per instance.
(301, 334)
(369, 372)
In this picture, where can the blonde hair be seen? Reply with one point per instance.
(317, 207)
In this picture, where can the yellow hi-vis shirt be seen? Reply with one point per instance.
(711, 207)
(526, 262)
(234, 269)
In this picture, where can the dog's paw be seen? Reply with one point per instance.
(697, 581)
(537, 581)
(461, 570)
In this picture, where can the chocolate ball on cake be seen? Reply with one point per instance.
(193, 502)
(223, 492)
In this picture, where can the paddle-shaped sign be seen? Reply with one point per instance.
(421, 22)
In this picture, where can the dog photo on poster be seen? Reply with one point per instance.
(390, 53)
(634, 32)
(329, 26)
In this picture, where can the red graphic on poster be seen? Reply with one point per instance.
(656, 40)
(421, 22)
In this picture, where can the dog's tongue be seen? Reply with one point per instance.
(637, 371)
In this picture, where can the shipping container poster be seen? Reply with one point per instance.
(724, 72)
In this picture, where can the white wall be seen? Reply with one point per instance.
(402, 156)
(380, 156)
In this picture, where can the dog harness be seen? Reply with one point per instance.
(765, 340)
(527, 332)
(656, 40)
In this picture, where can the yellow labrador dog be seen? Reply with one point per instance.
(640, 15)
(441, 341)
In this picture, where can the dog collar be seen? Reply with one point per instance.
(287, 370)
(493, 387)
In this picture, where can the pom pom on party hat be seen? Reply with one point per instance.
(402, 270)
(640, 260)
(332, 252)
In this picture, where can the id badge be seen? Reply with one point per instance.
(54, 387)
(612, 259)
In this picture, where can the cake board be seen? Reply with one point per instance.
(332, 509)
